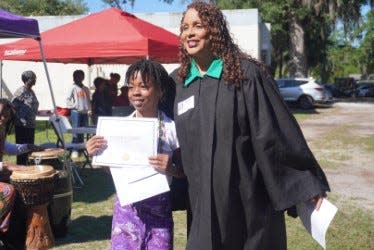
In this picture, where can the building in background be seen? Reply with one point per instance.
(246, 26)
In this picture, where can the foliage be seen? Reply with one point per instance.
(45, 7)
(121, 4)
(342, 60)
(366, 55)
(317, 20)
(350, 52)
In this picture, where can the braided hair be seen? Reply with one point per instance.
(152, 71)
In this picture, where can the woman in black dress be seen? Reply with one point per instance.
(243, 152)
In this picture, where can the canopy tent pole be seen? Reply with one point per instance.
(47, 73)
(89, 63)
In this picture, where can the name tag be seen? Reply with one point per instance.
(186, 105)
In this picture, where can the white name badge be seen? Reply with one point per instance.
(186, 105)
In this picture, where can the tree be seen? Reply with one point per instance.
(302, 20)
(121, 4)
(366, 48)
(45, 7)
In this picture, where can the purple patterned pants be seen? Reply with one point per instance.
(147, 224)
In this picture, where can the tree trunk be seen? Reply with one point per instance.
(281, 64)
(297, 65)
(274, 63)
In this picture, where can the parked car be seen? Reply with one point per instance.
(364, 90)
(305, 91)
(334, 90)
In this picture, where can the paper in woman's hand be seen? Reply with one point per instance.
(317, 222)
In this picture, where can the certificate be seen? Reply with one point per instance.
(130, 141)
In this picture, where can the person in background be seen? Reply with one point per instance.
(243, 152)
(79, 103)
(101, 101)
(147, 224)
(26, 107)
(122, 99)
(7, 192)
(113, 85)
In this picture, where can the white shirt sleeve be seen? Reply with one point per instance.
(172, 136)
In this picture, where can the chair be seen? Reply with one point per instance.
(61, 126)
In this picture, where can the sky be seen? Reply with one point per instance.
(142, 6)
(158, 6)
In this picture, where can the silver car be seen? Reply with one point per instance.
(305, 91)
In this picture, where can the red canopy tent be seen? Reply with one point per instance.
(108, 37)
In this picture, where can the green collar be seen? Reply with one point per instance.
(215, 70)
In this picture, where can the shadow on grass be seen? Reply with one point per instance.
(87, 228)
(90, 220)
(304, 111)
(296, 110)
(98, 186)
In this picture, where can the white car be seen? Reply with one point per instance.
(305, 91)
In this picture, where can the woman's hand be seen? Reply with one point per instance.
(95, 145)
(317, 200)
(161, 163)
(34, 148)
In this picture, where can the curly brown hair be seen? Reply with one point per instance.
(222, 44)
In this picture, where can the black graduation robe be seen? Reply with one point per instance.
(245, 159)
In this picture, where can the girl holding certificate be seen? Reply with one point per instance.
(147, 224)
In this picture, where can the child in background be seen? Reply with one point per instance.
(113, 85)
(147, 224)
(101, 101)
(122, 99)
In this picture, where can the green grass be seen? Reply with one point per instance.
(301, 117)
(369, 143)
(340, 141)
(352, 228)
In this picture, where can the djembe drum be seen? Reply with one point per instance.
(35, 186)
(59, 209)
(55, 157)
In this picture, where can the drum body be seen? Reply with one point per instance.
(35, 185)
(59, 209)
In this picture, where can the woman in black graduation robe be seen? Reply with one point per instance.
(243, 152)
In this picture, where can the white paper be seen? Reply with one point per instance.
(317, 222)
(136, 190)
(130, 141)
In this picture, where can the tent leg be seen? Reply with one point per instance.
(47, 74)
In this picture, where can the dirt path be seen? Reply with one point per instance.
(353, 176)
